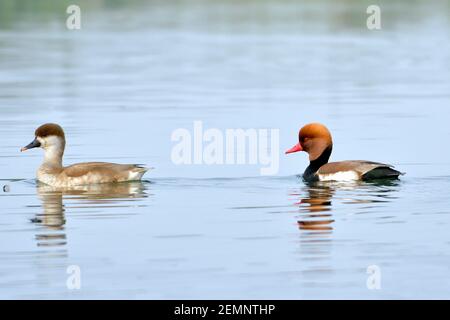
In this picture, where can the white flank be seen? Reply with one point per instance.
(340, 176)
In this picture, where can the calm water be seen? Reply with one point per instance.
(136, 72)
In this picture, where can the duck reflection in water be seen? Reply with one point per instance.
(52, 218)
(316, 206)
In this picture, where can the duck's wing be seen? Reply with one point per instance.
(105, 171)
(366, 170)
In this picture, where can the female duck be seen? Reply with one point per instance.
(315, 139)
(51, 138)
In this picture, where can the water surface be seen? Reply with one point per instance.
(136, 72)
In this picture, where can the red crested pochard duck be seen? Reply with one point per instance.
(51, 138)
(315, 139)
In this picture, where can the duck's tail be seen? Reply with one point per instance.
(138, 171)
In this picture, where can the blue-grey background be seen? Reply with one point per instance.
(137, 70)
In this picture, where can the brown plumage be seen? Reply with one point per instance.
(316, 140)
(49, 129)
(51, 138)
(113, 171)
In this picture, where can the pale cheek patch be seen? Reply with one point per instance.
(41, 141)
(340, 176)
